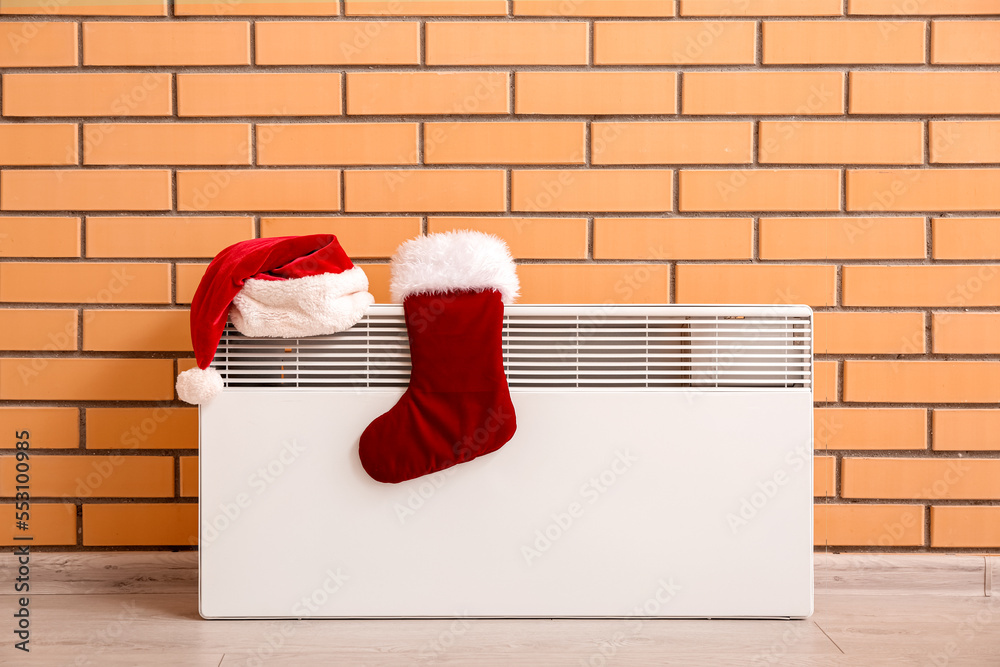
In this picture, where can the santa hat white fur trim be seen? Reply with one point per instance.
(461, 260)
(309, 306)
(198, 385)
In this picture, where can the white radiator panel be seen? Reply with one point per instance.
(293, 527)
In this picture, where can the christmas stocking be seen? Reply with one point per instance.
(453, 287)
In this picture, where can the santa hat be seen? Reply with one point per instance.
(284, 287)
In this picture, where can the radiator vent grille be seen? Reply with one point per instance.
(547, 350)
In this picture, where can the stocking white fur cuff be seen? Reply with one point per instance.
(461, 260)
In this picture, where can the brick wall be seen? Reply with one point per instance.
(839, 153)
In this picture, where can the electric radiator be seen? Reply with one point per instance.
(662, 467)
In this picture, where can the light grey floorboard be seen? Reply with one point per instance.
(871, 611)
(875, 574)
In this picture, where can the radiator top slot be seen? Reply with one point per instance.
(631, 347)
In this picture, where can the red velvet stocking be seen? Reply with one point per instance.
(457, 406)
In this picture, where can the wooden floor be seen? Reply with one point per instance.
(871, 610)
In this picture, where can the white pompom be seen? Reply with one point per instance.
(199, 385)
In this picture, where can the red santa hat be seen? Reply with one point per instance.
(284, 287)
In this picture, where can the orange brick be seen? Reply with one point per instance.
(259, 94)
(868, 525)
(965, 479)
(164, 237)
(38, 236)
(966, 430)
(140, 524)
(597, 190)
(93, 476)
(259, 190)
(965, 42)
(37, 44)
(360, 237)
(811, 284)
(836, 142)
(52, 524)
(380, 93)
(85, 189)
(425, 8)
(89, 282)
(142, 428)
(673, 238)
(842, 238)
(38, 329)
(825, 381)
(922, 286)
(136, 330)
(967, 526)
(887, 7)
(869, 333)
(595, 93)
(504, 143)
(922, 189)
(166, 143)
(763, 93)
(188, 277)
(922, 381)
(964, 141)
(38, 143)
(843, 42)
(683, 43)
(337, 144)
(672, 142)
(870, 428)
(189, 476)
(412, 190)
(256, 7)
(760, 190)
(966, 333)
(336, 43)
(925, 92)
(611, 8)
(90, 94)
(163, 43)
(64, 379)
(378, 281)
(966, 238)
(527, 238)
(507, 43)
(825, 476)
(594, 283)
(760, 7)
(86, 8)
(48, 428)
